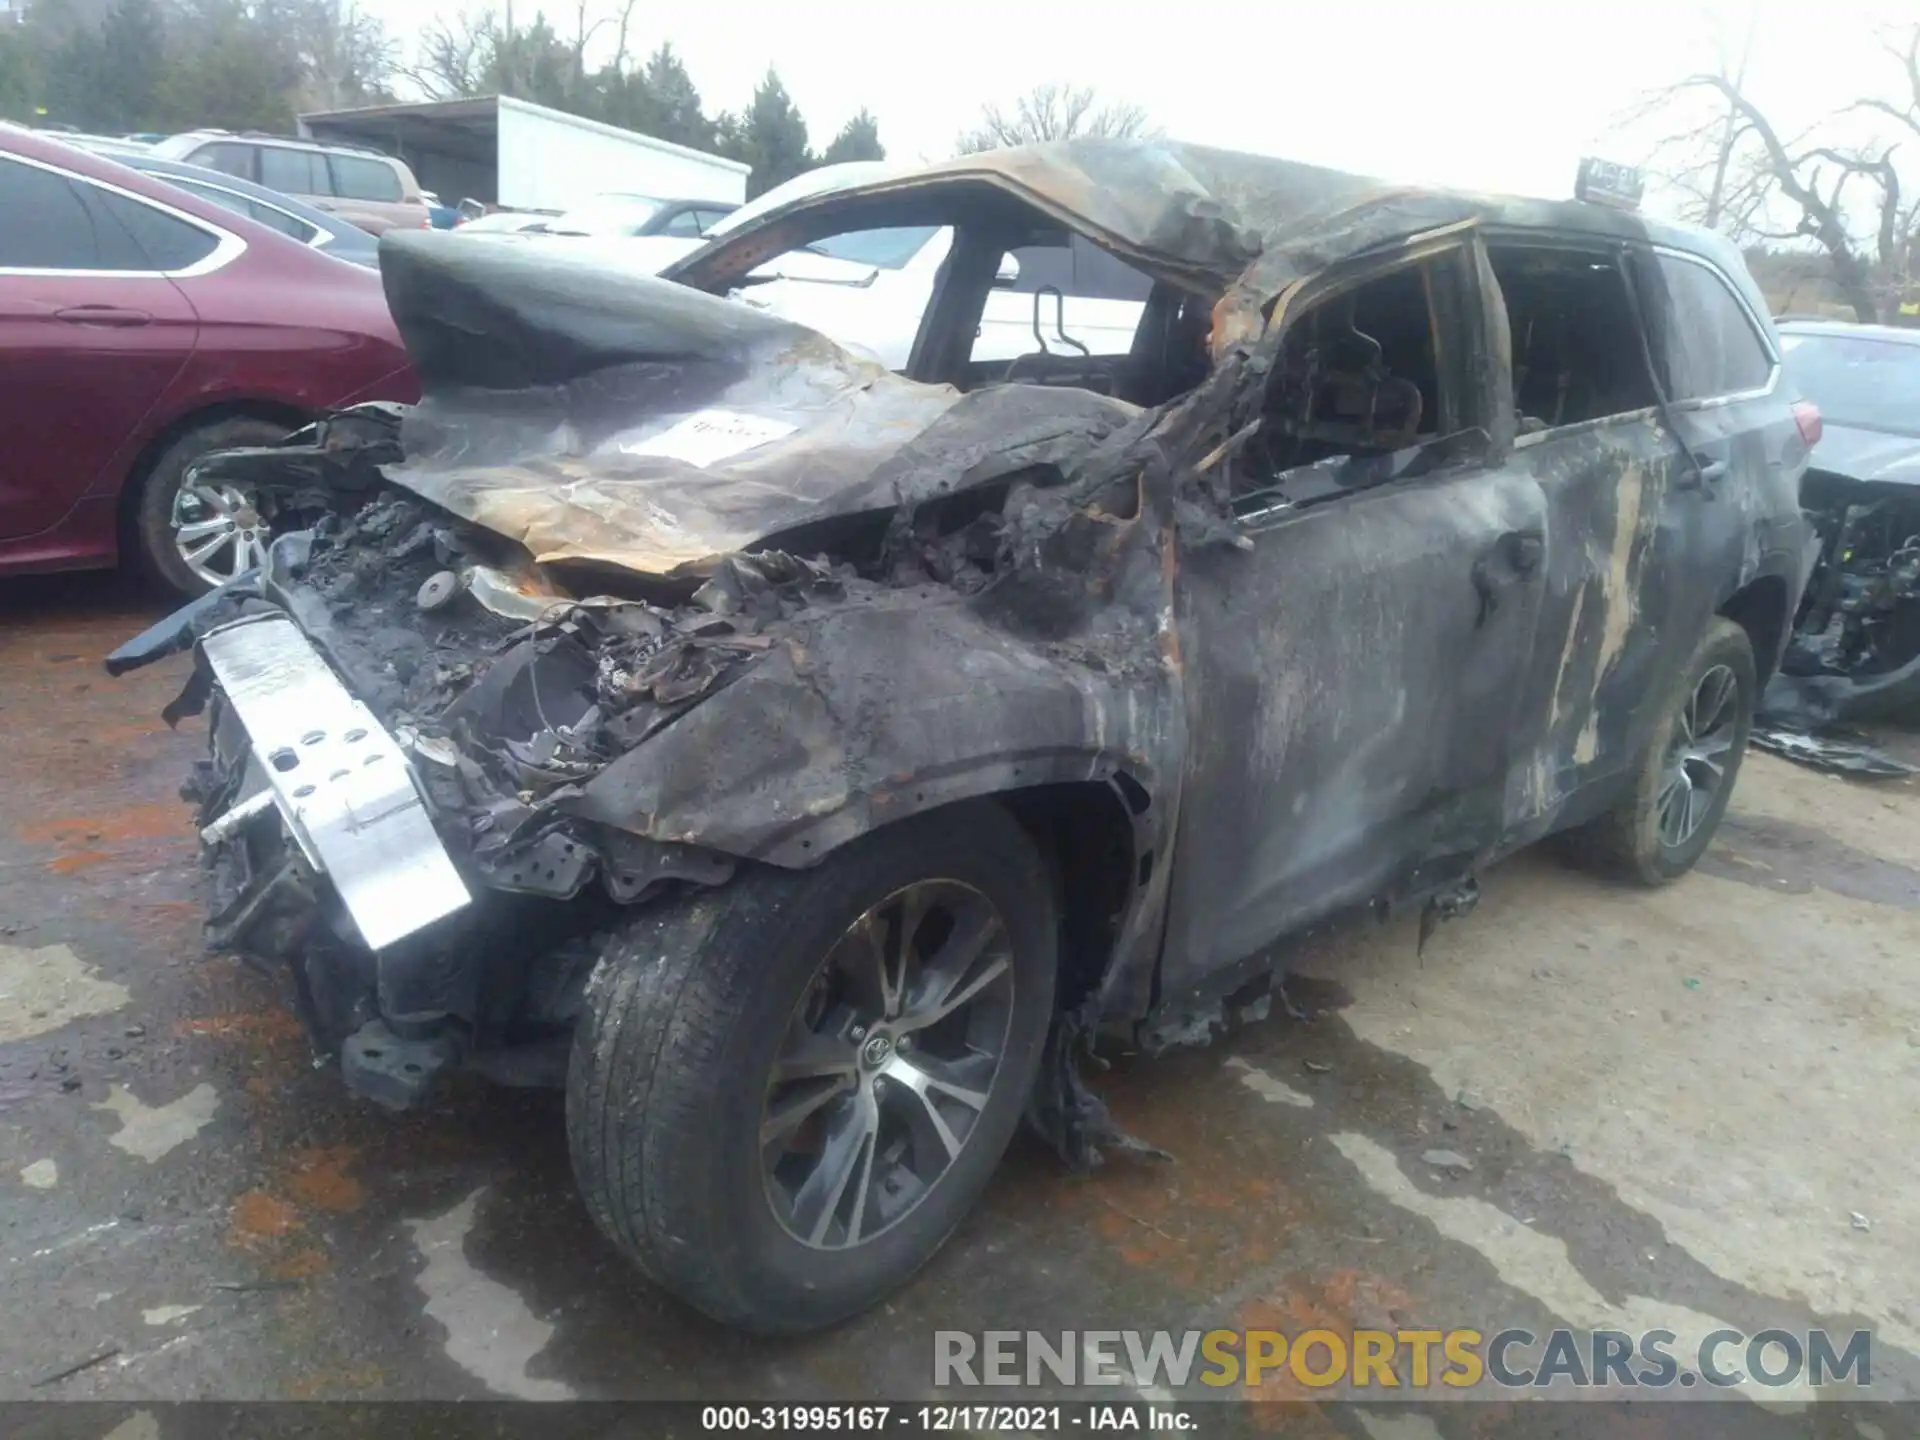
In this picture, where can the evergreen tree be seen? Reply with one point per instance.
(771, 137)
(859, 139)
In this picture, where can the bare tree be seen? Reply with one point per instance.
(344, 53)
(1833, 183)
(1729, 131)
(620, 46)
(1054, 112)
(454, 55)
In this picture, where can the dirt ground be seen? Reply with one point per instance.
(1692, 1109)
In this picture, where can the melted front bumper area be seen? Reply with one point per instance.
(381, 822)
(341, 785)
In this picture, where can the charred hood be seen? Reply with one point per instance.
(635, 422)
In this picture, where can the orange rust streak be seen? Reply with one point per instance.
(320, 1179)
(258, 1217)
(1201, 1227)
(265, 1025)
(133, 822)
(79, 860)
(300, 1265)
(1343, 1301)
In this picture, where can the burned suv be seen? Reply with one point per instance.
(806, 765)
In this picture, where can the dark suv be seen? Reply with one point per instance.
(808, 764)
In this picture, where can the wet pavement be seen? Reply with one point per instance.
(1674, 1106)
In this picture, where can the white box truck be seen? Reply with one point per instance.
(521, 156)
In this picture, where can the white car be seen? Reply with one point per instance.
(505, 222)
(868, 289)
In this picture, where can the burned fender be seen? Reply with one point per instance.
(876, 712)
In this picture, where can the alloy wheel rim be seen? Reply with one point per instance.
(218, 532)
(887, 1064)
(1697, 755)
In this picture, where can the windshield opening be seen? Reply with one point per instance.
(1860, 383)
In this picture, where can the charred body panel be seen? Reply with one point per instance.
(664, 587)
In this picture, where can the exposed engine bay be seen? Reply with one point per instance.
(508, 696)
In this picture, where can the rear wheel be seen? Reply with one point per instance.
(1685, 778)
(196, 536)
(787, 1093)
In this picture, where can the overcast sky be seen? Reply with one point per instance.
(1497, 96)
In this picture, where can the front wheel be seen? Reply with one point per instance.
(1684, 779)
(786, 1094)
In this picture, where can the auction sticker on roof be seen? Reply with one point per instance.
(708, 436)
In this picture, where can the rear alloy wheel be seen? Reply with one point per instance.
(786, 1093)
(195, 536)
(1685, 776)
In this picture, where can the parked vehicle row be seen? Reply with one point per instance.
(373, 190)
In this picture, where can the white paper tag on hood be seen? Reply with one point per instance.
(708, 436)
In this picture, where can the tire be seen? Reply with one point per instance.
(1628, 841)
(671, 1072)
(155, 550)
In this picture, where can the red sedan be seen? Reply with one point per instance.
(140, 328)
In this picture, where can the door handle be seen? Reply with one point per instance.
(1523, 551)
(1515, 556)
(1702, 475)
(111, 315)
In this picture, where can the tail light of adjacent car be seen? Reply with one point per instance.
(1806, 415)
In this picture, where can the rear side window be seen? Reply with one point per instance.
(360, 179)
(1100, 276)
(1076, 266)
(683, 223)
(226, 156)
(294, 172)
(1703, 338)
(241, 205)
(158, 241)
(1577, 353)
(43, 223)
(51, 222)
(1040, 266)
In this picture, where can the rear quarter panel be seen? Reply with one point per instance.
(283, 329)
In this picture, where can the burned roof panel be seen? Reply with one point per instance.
(1208, 213)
